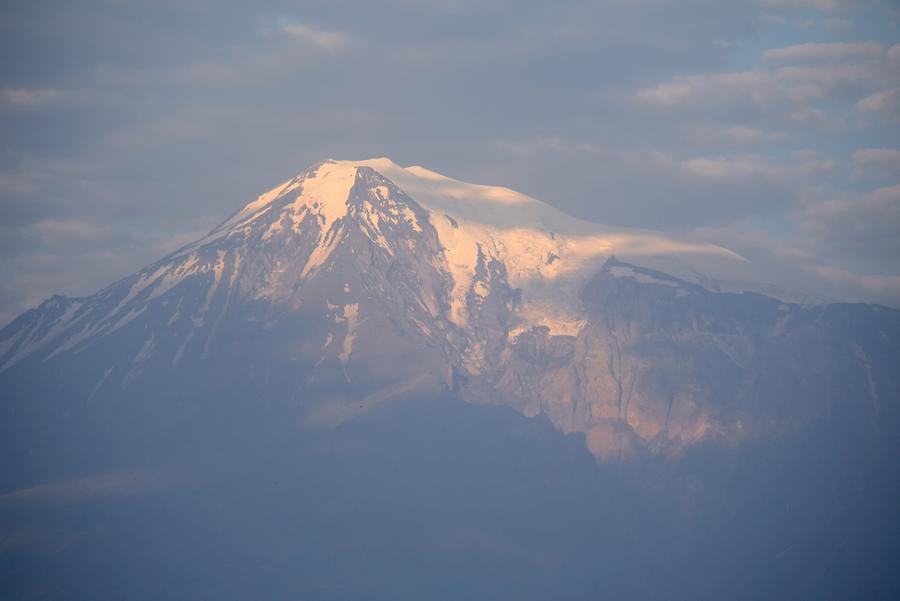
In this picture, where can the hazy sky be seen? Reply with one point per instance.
(769, 126)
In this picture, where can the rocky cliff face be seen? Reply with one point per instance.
(663, 364)
(354, 283)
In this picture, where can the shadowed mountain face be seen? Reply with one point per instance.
(377, 382)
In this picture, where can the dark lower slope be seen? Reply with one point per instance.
(438, 499)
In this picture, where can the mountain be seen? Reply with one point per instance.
(359, 290)
(357, 280)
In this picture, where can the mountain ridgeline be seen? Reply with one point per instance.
(374, 367)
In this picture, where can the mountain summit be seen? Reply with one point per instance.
(356, 282)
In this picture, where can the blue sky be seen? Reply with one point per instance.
(769, 126)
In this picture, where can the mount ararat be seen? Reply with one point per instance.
(317, 345)
(356, 281)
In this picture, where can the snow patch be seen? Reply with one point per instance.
(33, 340)
(326, 192)
(323, 250)
(100, 382)
(351, 314)
(261, 204)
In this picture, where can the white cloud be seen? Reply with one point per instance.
(708, 133)
(332, 41)
(791, 81)
(743, 134)
(24, 98)
(42, 176)
(755, 166)
(812, 117)
(714, 89)
(834, 51)
(827, 6)
(885, 103)
(30, 98)
(883, 289)
(861, 228)
(835, 77)
(66, 227)
(795, 265)
(542, 145)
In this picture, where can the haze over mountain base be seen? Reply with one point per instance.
(441, 499)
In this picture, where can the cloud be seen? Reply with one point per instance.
(773, 19)
(879, 160)
(821, 81)
(826, 6)
(65, 230)
(541, 145)
(713, 133)
(843, 284)
(796, 265)
(86, 489)
(26, 98)
(332, 41)
(755, 166)
(762, 90)
(835, 51)
(756, 88)
(645, 187)
(893, 53)
(34, 183)
(799, 86)
(858, 230)
(885, 103)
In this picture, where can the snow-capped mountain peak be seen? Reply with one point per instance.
(548, 254)
(357, 281)
(269, 248)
